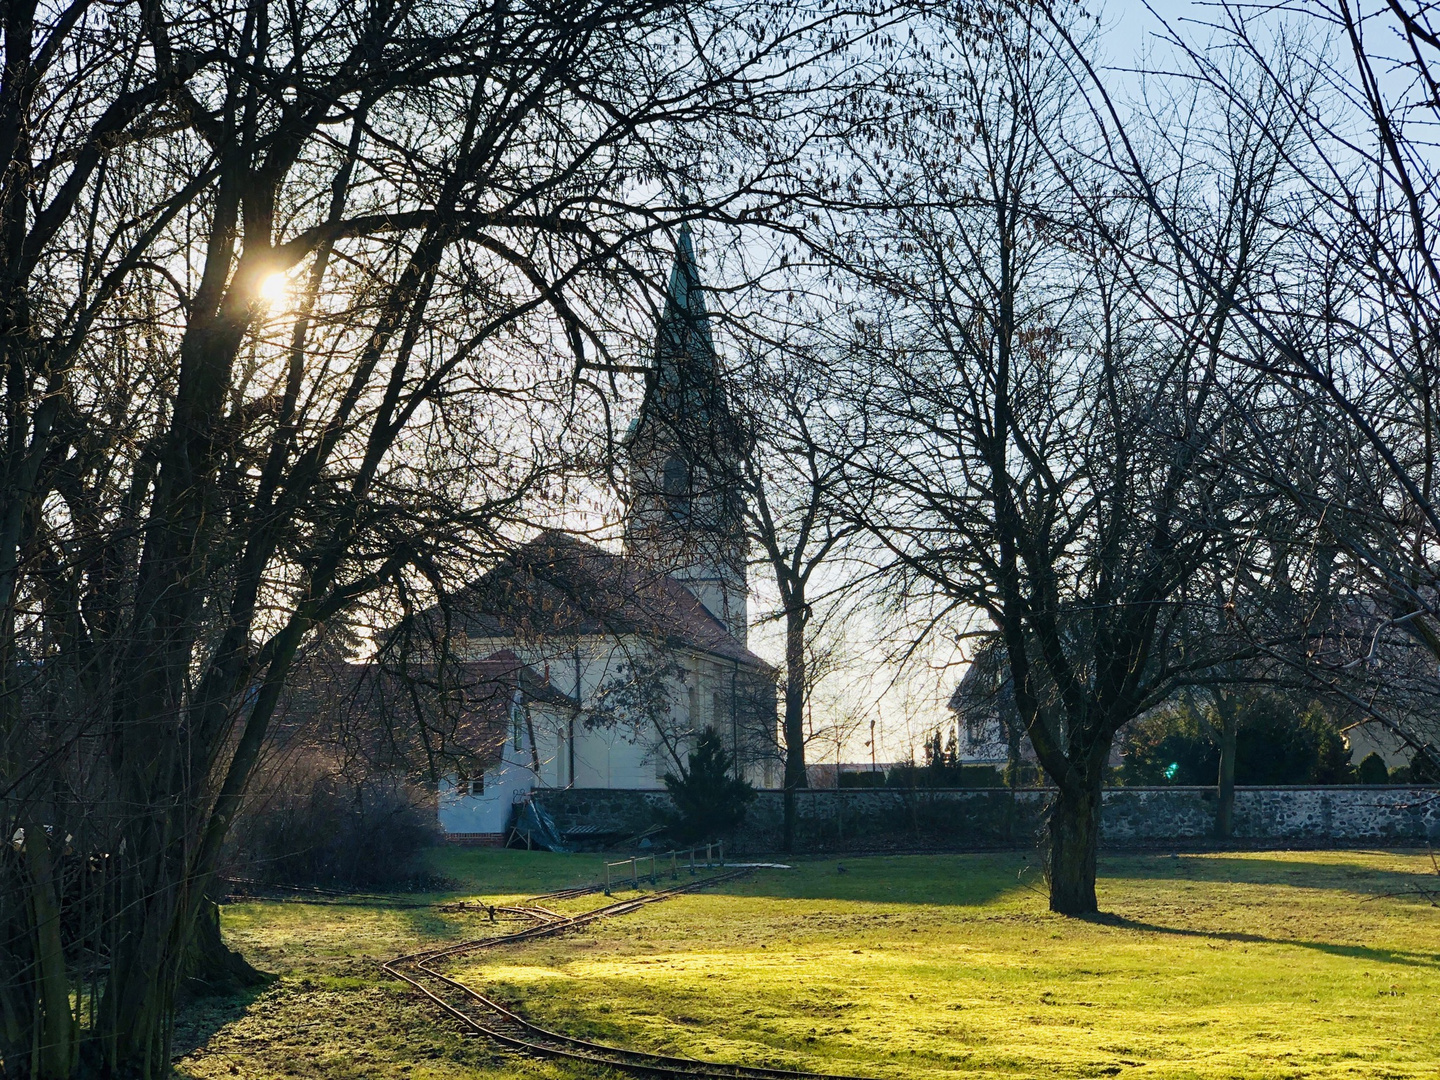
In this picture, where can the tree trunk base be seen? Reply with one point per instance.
(211, 967)
(1074, 845)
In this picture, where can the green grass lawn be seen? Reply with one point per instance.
(1233, 965)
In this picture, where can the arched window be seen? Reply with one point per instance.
(675, 482)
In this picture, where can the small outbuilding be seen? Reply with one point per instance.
(504, 705)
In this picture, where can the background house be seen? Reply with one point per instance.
(987, 724)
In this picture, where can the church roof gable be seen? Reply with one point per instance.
(557, 586)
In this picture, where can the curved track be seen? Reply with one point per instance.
(484, 1016)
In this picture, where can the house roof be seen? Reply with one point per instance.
(505, 672)
(557, 586)
(464, 706)
(986, 677)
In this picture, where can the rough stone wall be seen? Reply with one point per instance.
(977, 819)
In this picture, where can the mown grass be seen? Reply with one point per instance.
(1233, 965)
(332, 1013)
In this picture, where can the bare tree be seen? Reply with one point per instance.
(794, 486)
(1042, 449)
(1346, 336)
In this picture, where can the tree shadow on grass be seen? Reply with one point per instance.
(974, 880)
(432, 924)
(942, 880)
(200, 1017)
(1403, 957)
(1351, 876)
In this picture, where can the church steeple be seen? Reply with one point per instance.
(685, 513)
(682, 386)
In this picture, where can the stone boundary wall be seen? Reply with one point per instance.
(978, 819)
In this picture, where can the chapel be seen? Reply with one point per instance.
(646, 647)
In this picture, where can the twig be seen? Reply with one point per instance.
(1426, 893)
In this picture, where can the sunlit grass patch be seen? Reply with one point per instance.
(1228, 965)
(1252, 965)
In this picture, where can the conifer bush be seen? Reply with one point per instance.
(710, 801)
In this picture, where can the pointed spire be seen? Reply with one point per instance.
(683, 340)
(685, 512)
(683, 272)
(682, 388)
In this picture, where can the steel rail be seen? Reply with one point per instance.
(531, 1038)
(544, 929)
(569, 894)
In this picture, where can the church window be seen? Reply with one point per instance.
(470, 785)
(976, 728)
(675, 482)
(517, 724)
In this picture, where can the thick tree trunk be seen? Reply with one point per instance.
(794, 718)
(210, 966)
(136, 1015)
(156, 942)
(1012, 750)
(57, 1033)
(1074, 844)
(1227, 707)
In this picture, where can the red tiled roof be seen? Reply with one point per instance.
(559, 586)
(465, 705)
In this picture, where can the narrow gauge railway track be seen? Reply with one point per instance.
(485, 1016)
(569, 894)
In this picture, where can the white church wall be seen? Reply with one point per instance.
(613, 758)
(575, 668)
(551, 761)
(628, 756)
(603, 758)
